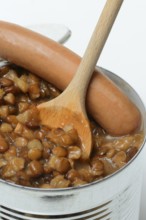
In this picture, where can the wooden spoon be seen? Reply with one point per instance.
(69, 107)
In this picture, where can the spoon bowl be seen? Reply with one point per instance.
(60, 115)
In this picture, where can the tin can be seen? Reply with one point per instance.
(116, 197)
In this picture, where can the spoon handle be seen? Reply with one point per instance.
(94, 48)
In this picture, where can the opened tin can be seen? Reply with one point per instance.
(116, 197)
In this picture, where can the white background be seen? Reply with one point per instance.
(125, 50)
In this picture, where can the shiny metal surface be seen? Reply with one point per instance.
(116, 197)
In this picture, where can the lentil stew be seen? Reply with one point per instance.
(34, 155)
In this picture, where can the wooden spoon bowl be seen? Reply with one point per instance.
(60, 116)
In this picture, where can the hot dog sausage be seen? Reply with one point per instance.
(105, 101)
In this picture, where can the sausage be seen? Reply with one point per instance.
(105, 102)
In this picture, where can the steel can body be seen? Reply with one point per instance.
(116, 197)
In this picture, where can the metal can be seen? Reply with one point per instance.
(116, 197)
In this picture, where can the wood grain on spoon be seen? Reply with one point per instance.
(69, 107)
